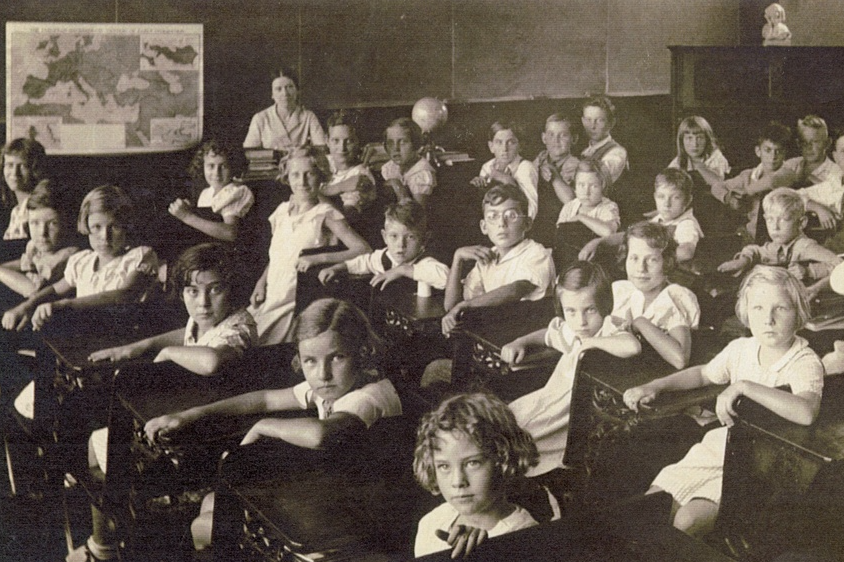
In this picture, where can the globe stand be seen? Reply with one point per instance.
(430, 151)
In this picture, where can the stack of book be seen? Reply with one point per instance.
(263, 164)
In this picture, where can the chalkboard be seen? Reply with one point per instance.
(511, 49)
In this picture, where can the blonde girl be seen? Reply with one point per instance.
(698, 151)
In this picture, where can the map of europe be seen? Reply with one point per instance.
(104, 88)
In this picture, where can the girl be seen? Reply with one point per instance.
(110, 272)
(663, 314)
(698, 151)
(48, 250)
(408, 174)
(337, 352)
(217, 333)
(507, 166)
(590, 207)
(773, 304)
(305, 221)
(217, 163)
(23, 167)
(585, 297)
(468, 450)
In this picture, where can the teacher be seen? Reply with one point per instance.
(285, 125)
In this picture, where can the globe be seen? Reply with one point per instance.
(429, 114)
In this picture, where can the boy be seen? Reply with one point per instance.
(514, 269)
(744, 192)
(814, 169)
(785, 217)
(408, 174)
(598, 120)
(405, 233)
(556, 165)
(673, 199)
(507, 166)
(350, 179)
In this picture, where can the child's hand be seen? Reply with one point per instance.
(724, 406)
(500, 176)
(513, 352)
(180, 208)
(16, 318)
(42, 315)
(384, 279)
(639, 395)
(305, 263)
(479, 182)
(451, 320)
(463, 539)
(159, 427)
(587, 253)
(826, 217)
(326, 275)
(350, 198)
(259, 294)
(120, 353)
(833, 362)
(735, 266)
(734, 201)
(799, 271)
(549, 172)
(480, 254)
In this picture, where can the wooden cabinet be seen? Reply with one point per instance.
(739, 89)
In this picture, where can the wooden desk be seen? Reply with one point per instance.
(784, 483)
(620, 451)
(477, 348)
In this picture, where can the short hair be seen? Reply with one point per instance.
(812, 122)
(286, 72)
(605, 103)
(231, 151)
(488, 422)
(695, 124)
(777, 277)
(776, 133)
(657, 237)
(558, 118)
(504, 125)
(34, 156)
(347, 117)
(317, 158)
(786, 199)
(351, 326)
(47, 195)
(109, 199)
(678, 179)
(582, 275)
(595, 166)
(210, 256)
(409, 213)
(410, 126)
(501, 192)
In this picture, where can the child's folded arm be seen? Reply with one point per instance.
(138, 348)
(12, 277)
(199, 359)
(600, 227)
(621, 345)
(512, 292)
(801, 408)
(515, 351)
(783, 177)
(312, 433)
(675, 346)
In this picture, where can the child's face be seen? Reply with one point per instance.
(206, 299)
(771, 155)
(217, 171)
(588, 189)
(107, 237)
(16, 172)
(466, 477)
(557, 138)
(581, 311)
(45, 229)
(771, 315)
(399, 146)
(670, 201)
(505, 224)
(328, 367)
(694, 144)
(596, 123)
(303, 178)
(504, 146)
(813, 144)
(783, 227)
(342, 144)
(285, 92)
(645, 266)
(402, 243)
(838, 152)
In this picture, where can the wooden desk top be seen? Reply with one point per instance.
(499, 325)
(823, 440)
(401, 297)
